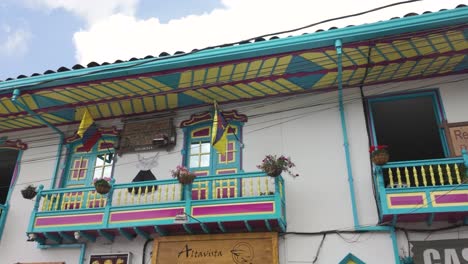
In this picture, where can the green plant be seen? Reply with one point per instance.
(274, 166)
(102, 185)
(183, 174)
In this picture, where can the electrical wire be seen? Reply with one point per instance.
(282, 119)
(223, 45)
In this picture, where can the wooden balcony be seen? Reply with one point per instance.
(423, 190)
(245, 202)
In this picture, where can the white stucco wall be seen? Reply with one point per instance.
(318, 200)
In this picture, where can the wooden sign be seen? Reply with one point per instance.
(117, 258)
(457, 134)
(248, 248)
(147, 135)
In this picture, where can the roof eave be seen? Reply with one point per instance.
(364, 32)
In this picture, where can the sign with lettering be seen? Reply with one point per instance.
(147, 135)
(440, 251)
(117, 258)
(458, 137)
(248, 248)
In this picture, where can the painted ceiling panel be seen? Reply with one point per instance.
(400, 57)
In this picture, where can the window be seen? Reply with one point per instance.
(83, 167)
(410, 125)
(203, 159)
(10, 152)
(200, 157)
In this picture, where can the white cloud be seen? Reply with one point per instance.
(16, 42)
(90, 10)
(122, 36)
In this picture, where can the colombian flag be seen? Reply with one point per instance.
(88, 131)
(219, 131)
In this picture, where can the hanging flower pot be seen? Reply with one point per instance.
(274, 166)
(183, 175)
(379, 155)
(102, 186)
(29, 192)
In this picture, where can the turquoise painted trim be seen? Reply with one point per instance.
(160, 231)
(126, 234)
(186, 205)
(110, 237)
(141, 233)
(35, 208)
(88, 237)
(15, 99)
(376, 30)
(221, 227)
(338, 46)
(53, 237)
(5, 207)
(81, 246)
(67, 236)
(3, 216)
(247, 225)
(351, 257)
(267, 224)
(395, 245)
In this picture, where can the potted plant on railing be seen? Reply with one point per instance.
(182, 174)
(274, 166)
(379, 154)
(102, 185)
(29, 192)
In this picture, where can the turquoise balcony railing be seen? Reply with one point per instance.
(242, 202)
(423, 190)
(3, 215)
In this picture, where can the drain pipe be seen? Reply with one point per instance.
(16, 100)
(81, 246)
(339, 54)
(357, 227)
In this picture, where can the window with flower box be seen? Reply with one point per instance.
(201, 158)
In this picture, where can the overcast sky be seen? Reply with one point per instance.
(37, 35)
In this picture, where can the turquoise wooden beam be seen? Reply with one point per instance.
(247, 225)
(87, 236)
(67, 236)
(160, 231)
(40, 240)
(205, 228)
(107, 235)
(267, 224)
(53, 237)
(126, 234)
(430, 219)
(142, 233)
(187, 229)
(282, 226)
(394, 219)
(221, 227)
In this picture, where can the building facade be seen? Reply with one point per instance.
(322, 99)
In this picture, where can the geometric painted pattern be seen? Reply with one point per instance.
(399, 57)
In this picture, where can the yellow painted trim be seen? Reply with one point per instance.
(218, 205)
(443, 193)
(146, 219)
(422, 194)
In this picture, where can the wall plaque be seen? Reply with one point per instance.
(457, 134)
(147, 135)
(248, 248)
(115, 258)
